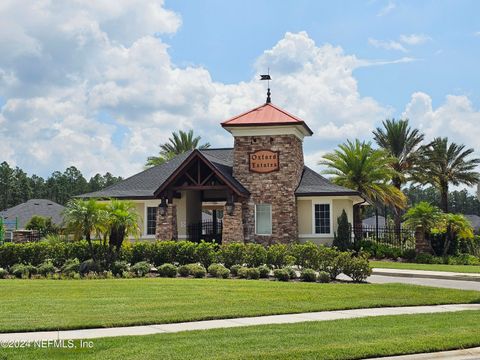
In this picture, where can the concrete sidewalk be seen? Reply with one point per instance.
(464, 354)
(442, 275)
(229, 323)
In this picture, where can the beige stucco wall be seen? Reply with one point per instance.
(305, 217)
(304, 210)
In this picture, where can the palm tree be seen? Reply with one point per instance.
(84, 217)
(423, 217)
(356, 165)
(179, 143)
(442, 164)
(402, 143)
(123, 221)
(455, 226)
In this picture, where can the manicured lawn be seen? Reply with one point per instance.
(27, 305)
(339, 339)
(432, 267)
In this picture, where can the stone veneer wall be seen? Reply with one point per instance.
(233, 225)
(276, 188)
(167, 225)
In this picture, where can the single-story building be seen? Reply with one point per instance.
(21, 214)
(258, 191)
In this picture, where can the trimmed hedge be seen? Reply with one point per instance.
(76, 257)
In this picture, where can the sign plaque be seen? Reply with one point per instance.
(264, 161)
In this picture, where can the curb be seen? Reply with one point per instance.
(418, 274)
(462, 354)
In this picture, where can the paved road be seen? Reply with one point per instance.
(452, 284)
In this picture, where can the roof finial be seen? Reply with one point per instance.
(268, 78)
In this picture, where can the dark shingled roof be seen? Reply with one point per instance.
(313, 184)
(42, 207)
(144, 184)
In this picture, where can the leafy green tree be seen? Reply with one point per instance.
(442, 164)
(179, 143)
(401, 142)
(455, 226)
(356, 165)
(123, 221)
(6, 185)
(342, 239)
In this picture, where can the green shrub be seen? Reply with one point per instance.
(161, 252)
(90, 266)
(167, 270)
(338, 263)
(326, 256)
(242, 272)
(23, 271)
(281, 274)
(253, 273)
(276, 255)
(306, 255)
(463, 259)
(234, 269)
(358, 268)
(323, 277)
(3, 273)
(308, 275)
(291, 272)
(120, 267)
(141, 268)
(140, 251)
(47, 268)
(197, 271)
(409, 254)
(43, 225)
(71, 266)
(183, 270)
(223, 273)
(205, 253)
(264, 271)
(185, 252)
(425, 258)
(232, 254)
(255, 255)
(218, 270)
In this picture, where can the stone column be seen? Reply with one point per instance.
(167, 224)
(233, 225)
(421, 244)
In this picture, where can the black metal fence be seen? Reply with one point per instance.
(403, 238)
(206, 230)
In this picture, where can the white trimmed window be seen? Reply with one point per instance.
(322, 219)
(263, 219)
(151, 220)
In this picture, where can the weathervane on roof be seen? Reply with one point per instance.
(268, 78)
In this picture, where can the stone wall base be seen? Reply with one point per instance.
(167, 224)
(233, 225)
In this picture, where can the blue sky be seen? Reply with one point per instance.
(227, 36)
(100, 84)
